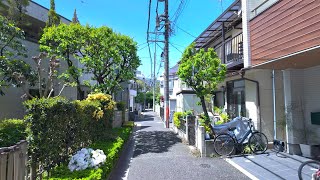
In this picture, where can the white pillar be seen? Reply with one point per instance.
(246, 33)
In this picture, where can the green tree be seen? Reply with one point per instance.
(53, 17)
(202, 71)
(75, 17)
(110, 57)
(12, 69)
(65, 42)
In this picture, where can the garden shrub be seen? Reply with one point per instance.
(121, 106)
(107, 106)
(57, 128)
(52, 130)
(111, 148)
(177, 116)
(11, 132)
(91, 124)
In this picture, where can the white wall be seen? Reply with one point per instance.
(302, 94)
(312, 102)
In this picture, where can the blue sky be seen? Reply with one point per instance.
(130, 17)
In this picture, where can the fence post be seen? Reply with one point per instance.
(201, 141)
(3, 165)
(10, 164)
(16, 163)
(23, 158)
(187, 128)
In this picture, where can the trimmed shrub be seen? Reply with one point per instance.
(111, 148)
(11, 132)
(52, 130)
(121, 106)
(91, 124)
(57, 127)
(176, 119)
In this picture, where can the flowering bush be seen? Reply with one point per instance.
(104, 99)
(87, 158)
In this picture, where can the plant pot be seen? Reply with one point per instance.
(310, 151)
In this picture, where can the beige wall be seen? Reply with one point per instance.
(11, 103)
(264, 77)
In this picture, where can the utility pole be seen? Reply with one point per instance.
(154, 78)
(163, 18)
(166, 62)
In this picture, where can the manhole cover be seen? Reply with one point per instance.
(205, 165)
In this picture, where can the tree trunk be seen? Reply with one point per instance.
(203, 104)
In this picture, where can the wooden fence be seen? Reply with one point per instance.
(13, 161)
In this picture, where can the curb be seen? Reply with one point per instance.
(245, 172)
(123, 149)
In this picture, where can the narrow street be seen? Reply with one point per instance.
(157, 153)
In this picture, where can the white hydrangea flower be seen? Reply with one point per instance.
(86, 158)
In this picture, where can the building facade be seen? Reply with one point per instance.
(271, 49)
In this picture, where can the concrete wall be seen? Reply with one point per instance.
(302, 97)
(312, 102)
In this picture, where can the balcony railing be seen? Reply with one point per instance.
(233, 49)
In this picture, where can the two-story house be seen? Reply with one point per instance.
(285, 38)
(271, 49)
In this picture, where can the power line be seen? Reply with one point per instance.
(143, 48)
(176, 48)
(148, 34)
(142, 44)
(185, 31)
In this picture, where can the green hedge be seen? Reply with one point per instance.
(57, 128)
(11, 132)
(111, 147)
(176, 119)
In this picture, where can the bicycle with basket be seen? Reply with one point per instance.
(235, 138)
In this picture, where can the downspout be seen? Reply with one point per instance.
(258, 98)
(274, 105)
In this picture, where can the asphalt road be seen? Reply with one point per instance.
(156, 153)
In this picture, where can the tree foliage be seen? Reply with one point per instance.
(53, 17)
(110, 57)
(202, 71)
(75, 17)
(11, 49)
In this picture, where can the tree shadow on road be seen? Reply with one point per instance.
(144, 118)
(154, 142)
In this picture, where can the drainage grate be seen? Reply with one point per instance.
(205, 165)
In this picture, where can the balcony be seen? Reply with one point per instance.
(233, 52)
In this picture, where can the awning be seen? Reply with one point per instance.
(230, 15)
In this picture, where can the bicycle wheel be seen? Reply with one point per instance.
(224, 144)
(258, 143)
(309, 170)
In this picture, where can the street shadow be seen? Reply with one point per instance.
(144, 118)
(154, 142)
